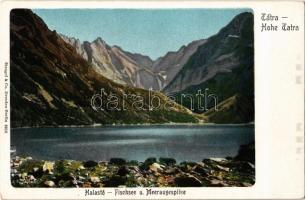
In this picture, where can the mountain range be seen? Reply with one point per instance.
(52, 85)
(53, 76)
(223, 63)
(133, 69)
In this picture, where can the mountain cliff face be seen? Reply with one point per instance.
(122, 67)
(225, 65)
(133, 69)
(220, 53)
(51, 84)
(169, 65)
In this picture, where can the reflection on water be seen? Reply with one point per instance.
(132, 142)
(109, 142)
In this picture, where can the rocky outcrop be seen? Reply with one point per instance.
(113, 62)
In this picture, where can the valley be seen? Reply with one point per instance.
(90, 114)
(55, 79)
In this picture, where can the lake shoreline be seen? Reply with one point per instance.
(238, 171)
(133, 125)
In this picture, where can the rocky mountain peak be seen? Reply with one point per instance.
(52, 84)
(99, 41)
(123, 67)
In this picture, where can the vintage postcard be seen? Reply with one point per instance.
(152, 100)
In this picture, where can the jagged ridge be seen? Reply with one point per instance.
(52, 85)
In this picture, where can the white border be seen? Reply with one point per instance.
(279, 103)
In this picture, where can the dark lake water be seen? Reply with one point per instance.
(192, 143)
